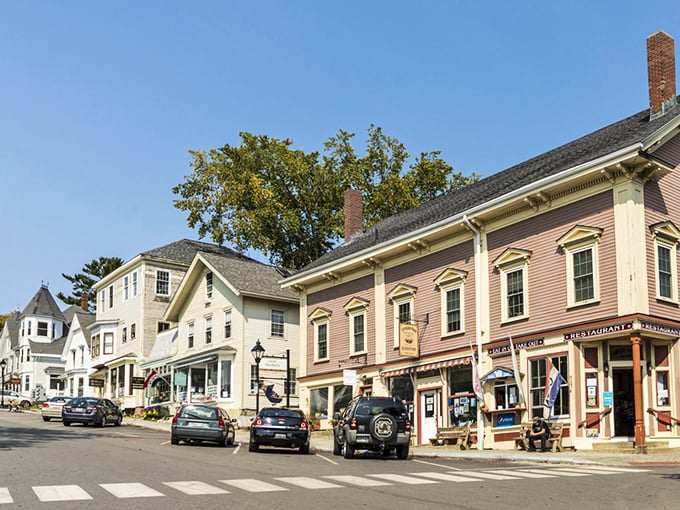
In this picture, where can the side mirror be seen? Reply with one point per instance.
(336, 416)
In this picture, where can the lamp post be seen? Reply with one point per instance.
(257, 351)
(3, 364)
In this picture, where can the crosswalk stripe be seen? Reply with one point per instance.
(407, 480)
(446, 477)
(560, 471)
(195, 487)
(587, 470)
(523, 474)
(4, 496)
(48, 493)
(130, 490)
(252, 485)
(307, 482)
(357, 480)
(485, 475)
(618, 469)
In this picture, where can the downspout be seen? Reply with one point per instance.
(478, 320)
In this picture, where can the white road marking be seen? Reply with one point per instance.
(486, 475)
(130, 490)
(446, 477)
(307, 482)
(588, 470)
(434, 464)
(331, 461)
(617, 469)
(357, 480)
(194, 487)
(560, 471)
(252, 485)
(60, 493)
(4, 496)
(238, 447)
(523, 474)
(407, 480)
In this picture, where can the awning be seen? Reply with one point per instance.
(195, 361)
(498, 373)
(426, 366)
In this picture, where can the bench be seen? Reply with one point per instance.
(454, 436)
(554, 442)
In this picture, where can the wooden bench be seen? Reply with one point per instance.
(554, 442)
(453, 436)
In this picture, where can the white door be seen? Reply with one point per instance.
(430, 414)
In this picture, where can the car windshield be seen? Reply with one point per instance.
(199, 413)
(280, 413)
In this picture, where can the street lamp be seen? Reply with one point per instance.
(3, 364)
(257, 352)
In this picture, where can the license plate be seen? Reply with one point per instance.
(197, 424)
(280, 436)
(76, 410)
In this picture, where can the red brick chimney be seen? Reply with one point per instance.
(84, 302)
(661, 73)
(354, 213)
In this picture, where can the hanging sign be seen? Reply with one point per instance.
(408, 340)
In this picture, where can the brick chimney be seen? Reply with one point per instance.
(84, 302)
(354, 213)
(661, 73)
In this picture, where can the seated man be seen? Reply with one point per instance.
(539, 430)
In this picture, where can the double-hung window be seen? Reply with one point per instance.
(320, 319)
(402, 298)
(539, 371)
(208, 330)
(162, 283)
(277, 320)
(513, 267)
(666, 237)
(580, 246)
(451, 284)
(208, 285)
(190, 335)
(227, 324)
(356, 311)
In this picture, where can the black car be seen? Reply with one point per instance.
(91, 411)
(280, 427)
(379, 424)
(201, 422)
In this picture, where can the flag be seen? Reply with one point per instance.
(553, 381)
(515, 369)
(271, 395)
(151, 379)
(476, 382)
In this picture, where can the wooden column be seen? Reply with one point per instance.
(637, 389)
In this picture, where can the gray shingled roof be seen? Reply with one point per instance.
(250, 276)
(56, 347)
(12, 325)
(186, 249)
(43, 304)
(607, 140)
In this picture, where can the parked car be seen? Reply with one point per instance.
(379, 424)
(22, 400)
(275, 426)
(51, 408)
(201, 422)
(91, 411)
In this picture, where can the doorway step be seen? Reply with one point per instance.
(629, 447)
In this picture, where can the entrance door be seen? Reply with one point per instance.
(624, 402)
(430, 414)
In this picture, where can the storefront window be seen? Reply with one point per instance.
(318, 406)
(402, 387)
(181, 378)
(462, 400)
(662, 388)
(197, 377)
(341, 396)
(506, 395)
(537, 380)
(225, 383)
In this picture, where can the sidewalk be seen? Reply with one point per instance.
(322, 442)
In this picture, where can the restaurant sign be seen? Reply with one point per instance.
(601, 331)
(659, 328)
(502, 349)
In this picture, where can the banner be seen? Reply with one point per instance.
(553, 381)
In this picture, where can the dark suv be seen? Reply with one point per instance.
(378, 424)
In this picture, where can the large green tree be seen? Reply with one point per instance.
(83, 282)
(266, 196)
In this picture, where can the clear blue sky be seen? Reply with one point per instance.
(102, 100)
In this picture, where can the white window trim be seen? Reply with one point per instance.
(451, 279)
(354, 308)
(665, 234)
(511, 260)
(400, 295)
(581, 238)
(318, 317)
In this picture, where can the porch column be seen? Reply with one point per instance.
(637, 392)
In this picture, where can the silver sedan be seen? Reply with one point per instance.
(51, 408)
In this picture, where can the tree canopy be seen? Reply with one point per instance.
(83, 282)
(266, 196)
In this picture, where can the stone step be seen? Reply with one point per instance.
(629, 447)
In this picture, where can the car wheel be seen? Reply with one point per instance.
(349, 450)
(103, 422)
(253, 447)
(337, 447)
(25, 404)
(304, 449)
(231, 439)
(383, 428)
(118, 421)
(46, 418)
(67, 423)
(402, 452)
(174, 440)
